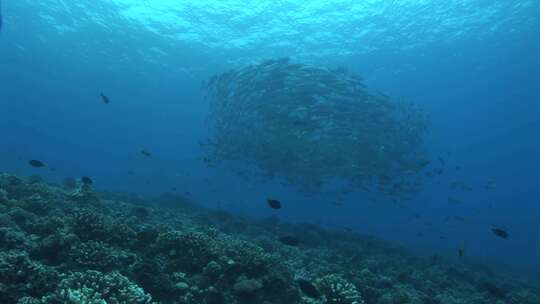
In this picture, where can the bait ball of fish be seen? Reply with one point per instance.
(309, 125)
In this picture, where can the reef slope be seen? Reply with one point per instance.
(63, 244)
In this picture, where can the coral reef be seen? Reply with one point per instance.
(337, 290)
(96, 248)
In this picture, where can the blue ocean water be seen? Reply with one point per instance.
(472, 65)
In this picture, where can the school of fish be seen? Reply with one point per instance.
(308, 125)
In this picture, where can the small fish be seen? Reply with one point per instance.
(36, 163)
(308, 289)
(461, 250)
(441, 160)
(491, 184)
(289, 240)
(274, 204)
(52, 169)
(146, 152)
(104, 98)
(503, 234)
(86, 180)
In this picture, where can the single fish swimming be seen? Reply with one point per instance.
(274, 204)
(461, 250)
(36, 163)
(503, 234)
(104, 98)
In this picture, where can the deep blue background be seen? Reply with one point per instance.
(483, 98)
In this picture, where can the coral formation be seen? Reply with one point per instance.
(337, 290)
(57, 248)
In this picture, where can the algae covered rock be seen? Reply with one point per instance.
(20, 276)
(247, 287)
(92, 225)
(11, 238)
(212, 272)
(188, 252)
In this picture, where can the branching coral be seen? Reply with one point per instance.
(337, 290)
(94, 287)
